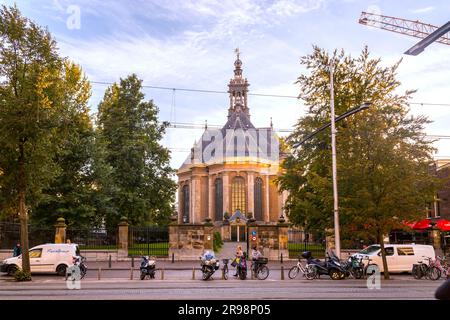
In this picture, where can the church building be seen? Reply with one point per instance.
(229, 175)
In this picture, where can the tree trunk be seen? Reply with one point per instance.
(23, 215)
(383, 255)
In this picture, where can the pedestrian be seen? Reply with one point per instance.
(239, 255)
(17, 251)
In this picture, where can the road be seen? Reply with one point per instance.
(177, 285)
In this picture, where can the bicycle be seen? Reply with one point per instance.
(307, 271)
(443, 266)
(225, 268)
(429, 271)
(366, 267)
(259, 268)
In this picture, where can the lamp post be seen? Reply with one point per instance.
(337, 238)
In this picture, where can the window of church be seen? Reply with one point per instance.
(258, 199)
(238, 195)
(185, 202)
(218, 187)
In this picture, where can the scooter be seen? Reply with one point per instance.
(329, 267)
(209, 265)
(148, 267)
(241, 268)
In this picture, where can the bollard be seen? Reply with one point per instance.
(193, 273)
(173, 257)
(131, 273)
(109, 262)
(223, 274)
(281, 259)
(162, 274)
(99, 273)
(282, 273)
(132, 261)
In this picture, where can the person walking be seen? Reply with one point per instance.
(239, 255)
(17, 251)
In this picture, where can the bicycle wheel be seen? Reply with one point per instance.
(262, 273)
(225, 272)
(311, 272)
(417, 272)
(293, 272)
(434, 273)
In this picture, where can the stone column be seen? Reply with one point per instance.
(226, 198)
(122, 245)
(60, 230)
(192, 199)
(211, 199)
(267, 200)
(251, 193)
(180, 203)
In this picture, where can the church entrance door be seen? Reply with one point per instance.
(238, 233)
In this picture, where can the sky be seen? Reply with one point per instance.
(190, 44)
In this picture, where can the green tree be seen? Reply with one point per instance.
(143, 190)
(39, 91)
(383, 155)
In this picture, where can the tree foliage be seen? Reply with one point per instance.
(383, 156)
(143, 189)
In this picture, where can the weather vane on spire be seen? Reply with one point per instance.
(237, 52)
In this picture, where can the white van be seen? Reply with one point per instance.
(45, 258)
(400, 257)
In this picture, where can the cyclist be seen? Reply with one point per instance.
(256, 254)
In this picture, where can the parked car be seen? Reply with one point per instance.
(400, 257)
(45, 258)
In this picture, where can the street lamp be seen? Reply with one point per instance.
(422, 44)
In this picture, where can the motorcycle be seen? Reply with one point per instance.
(354, 267)
(209, 264)
(330, 267)
(148, 267)
(80, 262)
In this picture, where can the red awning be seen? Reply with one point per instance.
(422, 224)
(443, 225)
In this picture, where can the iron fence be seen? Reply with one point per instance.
(10, 235)
(300, 241)
(150, 240)
(92, 239)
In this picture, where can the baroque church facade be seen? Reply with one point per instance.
(230, 174)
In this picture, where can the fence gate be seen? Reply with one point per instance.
(300, 241)
(149, 240)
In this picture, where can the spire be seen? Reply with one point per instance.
(238, 89)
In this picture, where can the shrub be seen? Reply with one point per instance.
(217, 241)
(21, 275)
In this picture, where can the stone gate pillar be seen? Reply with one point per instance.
(60, 230)
(122, 245)
(283, 238)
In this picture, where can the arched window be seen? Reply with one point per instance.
(238, 195)
(258, 199)
(218, 200)
(185, 204)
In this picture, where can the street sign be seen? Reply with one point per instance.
(253, 233)
(254, 238)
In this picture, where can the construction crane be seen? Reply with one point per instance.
(425, 31)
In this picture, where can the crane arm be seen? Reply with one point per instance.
(403, 26)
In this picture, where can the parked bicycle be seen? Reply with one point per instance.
(225, 268)
(306, 271)
(429, 271)
(354, 267)
(368, 267)
(260, 269)
(443, 266)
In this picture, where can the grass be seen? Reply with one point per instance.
(295, 249)
(159, 249)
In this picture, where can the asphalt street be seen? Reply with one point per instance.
(178, 284)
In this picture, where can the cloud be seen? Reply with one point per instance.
(423, 10)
